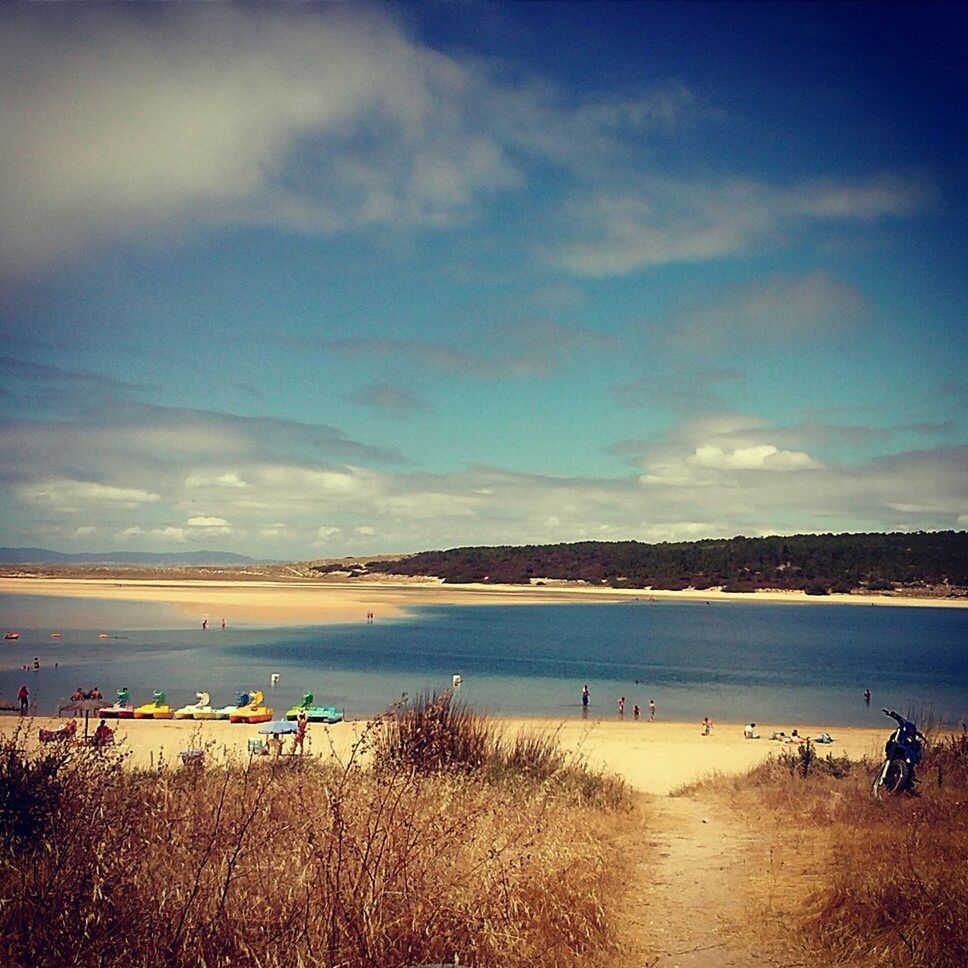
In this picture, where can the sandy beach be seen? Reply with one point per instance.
(653, 757)
(294, 603)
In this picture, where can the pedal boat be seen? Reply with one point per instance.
(254, 712)
(226, 711)
(200, 709)
(314, 713)
(158, 708)
(122, 708)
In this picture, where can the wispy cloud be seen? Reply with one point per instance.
(685, 391)
(780, 309)
(527, 348)
(390, 402)
(46, 377)
(665, 220)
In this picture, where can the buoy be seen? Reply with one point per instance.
(274, 678)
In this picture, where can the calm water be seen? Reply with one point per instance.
(732, 661)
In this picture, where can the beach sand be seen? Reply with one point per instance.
(652, 757)
(293, 603)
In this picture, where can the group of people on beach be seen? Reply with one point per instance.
(79, 694)
(636, 709)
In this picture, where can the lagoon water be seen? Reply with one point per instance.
(732, 661)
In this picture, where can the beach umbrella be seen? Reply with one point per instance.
(278, 727)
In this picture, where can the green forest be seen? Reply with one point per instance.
(817, 564)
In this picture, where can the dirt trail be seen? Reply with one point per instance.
(692, 902)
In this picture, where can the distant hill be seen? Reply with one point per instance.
(817, 564)
(33, 556)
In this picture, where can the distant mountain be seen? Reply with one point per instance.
(35, 556)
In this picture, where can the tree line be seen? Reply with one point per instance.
(815, 563)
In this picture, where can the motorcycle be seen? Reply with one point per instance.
(902, 753)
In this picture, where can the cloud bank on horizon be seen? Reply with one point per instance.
(300, 281)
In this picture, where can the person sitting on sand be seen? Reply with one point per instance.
(779, 735)
(103, 735)
(707, 726)
(750, 731)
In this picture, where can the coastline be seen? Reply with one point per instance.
(336, 602)
(653, 758)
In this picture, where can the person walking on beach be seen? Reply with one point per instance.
(621, 706)
(651, 710)
(584, 695)
(24, 696)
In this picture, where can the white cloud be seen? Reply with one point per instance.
(169, 533)
(325, 532)
(201, 521)
(365, 530)
(759, 457)
(118, 125)
(71, 497)
(85, 531)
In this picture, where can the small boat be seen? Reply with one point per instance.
(103, 635)
(226, 711)
(158, 708)
(122, 708)
(314, 713)
(11, 635)
(198, 709)
(253, 712)
(55, 635)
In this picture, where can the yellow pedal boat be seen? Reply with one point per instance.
(158, 708)
(253, 712)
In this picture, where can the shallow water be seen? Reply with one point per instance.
(731, 661)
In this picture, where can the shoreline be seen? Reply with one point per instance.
(293, 603)
(654, 758)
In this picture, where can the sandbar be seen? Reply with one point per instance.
(311, 602)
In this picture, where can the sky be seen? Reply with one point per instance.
(301, 281)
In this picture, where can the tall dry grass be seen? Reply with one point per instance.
(879, 882)
(295, 862)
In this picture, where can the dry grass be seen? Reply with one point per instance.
(858, 881)
(297, 863)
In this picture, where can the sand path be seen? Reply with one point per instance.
(692, 907)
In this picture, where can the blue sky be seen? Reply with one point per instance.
(311, 280)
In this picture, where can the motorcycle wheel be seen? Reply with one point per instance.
(896, 778)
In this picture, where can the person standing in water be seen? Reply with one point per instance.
(651, 710)
(867, 697)
(584, 695)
